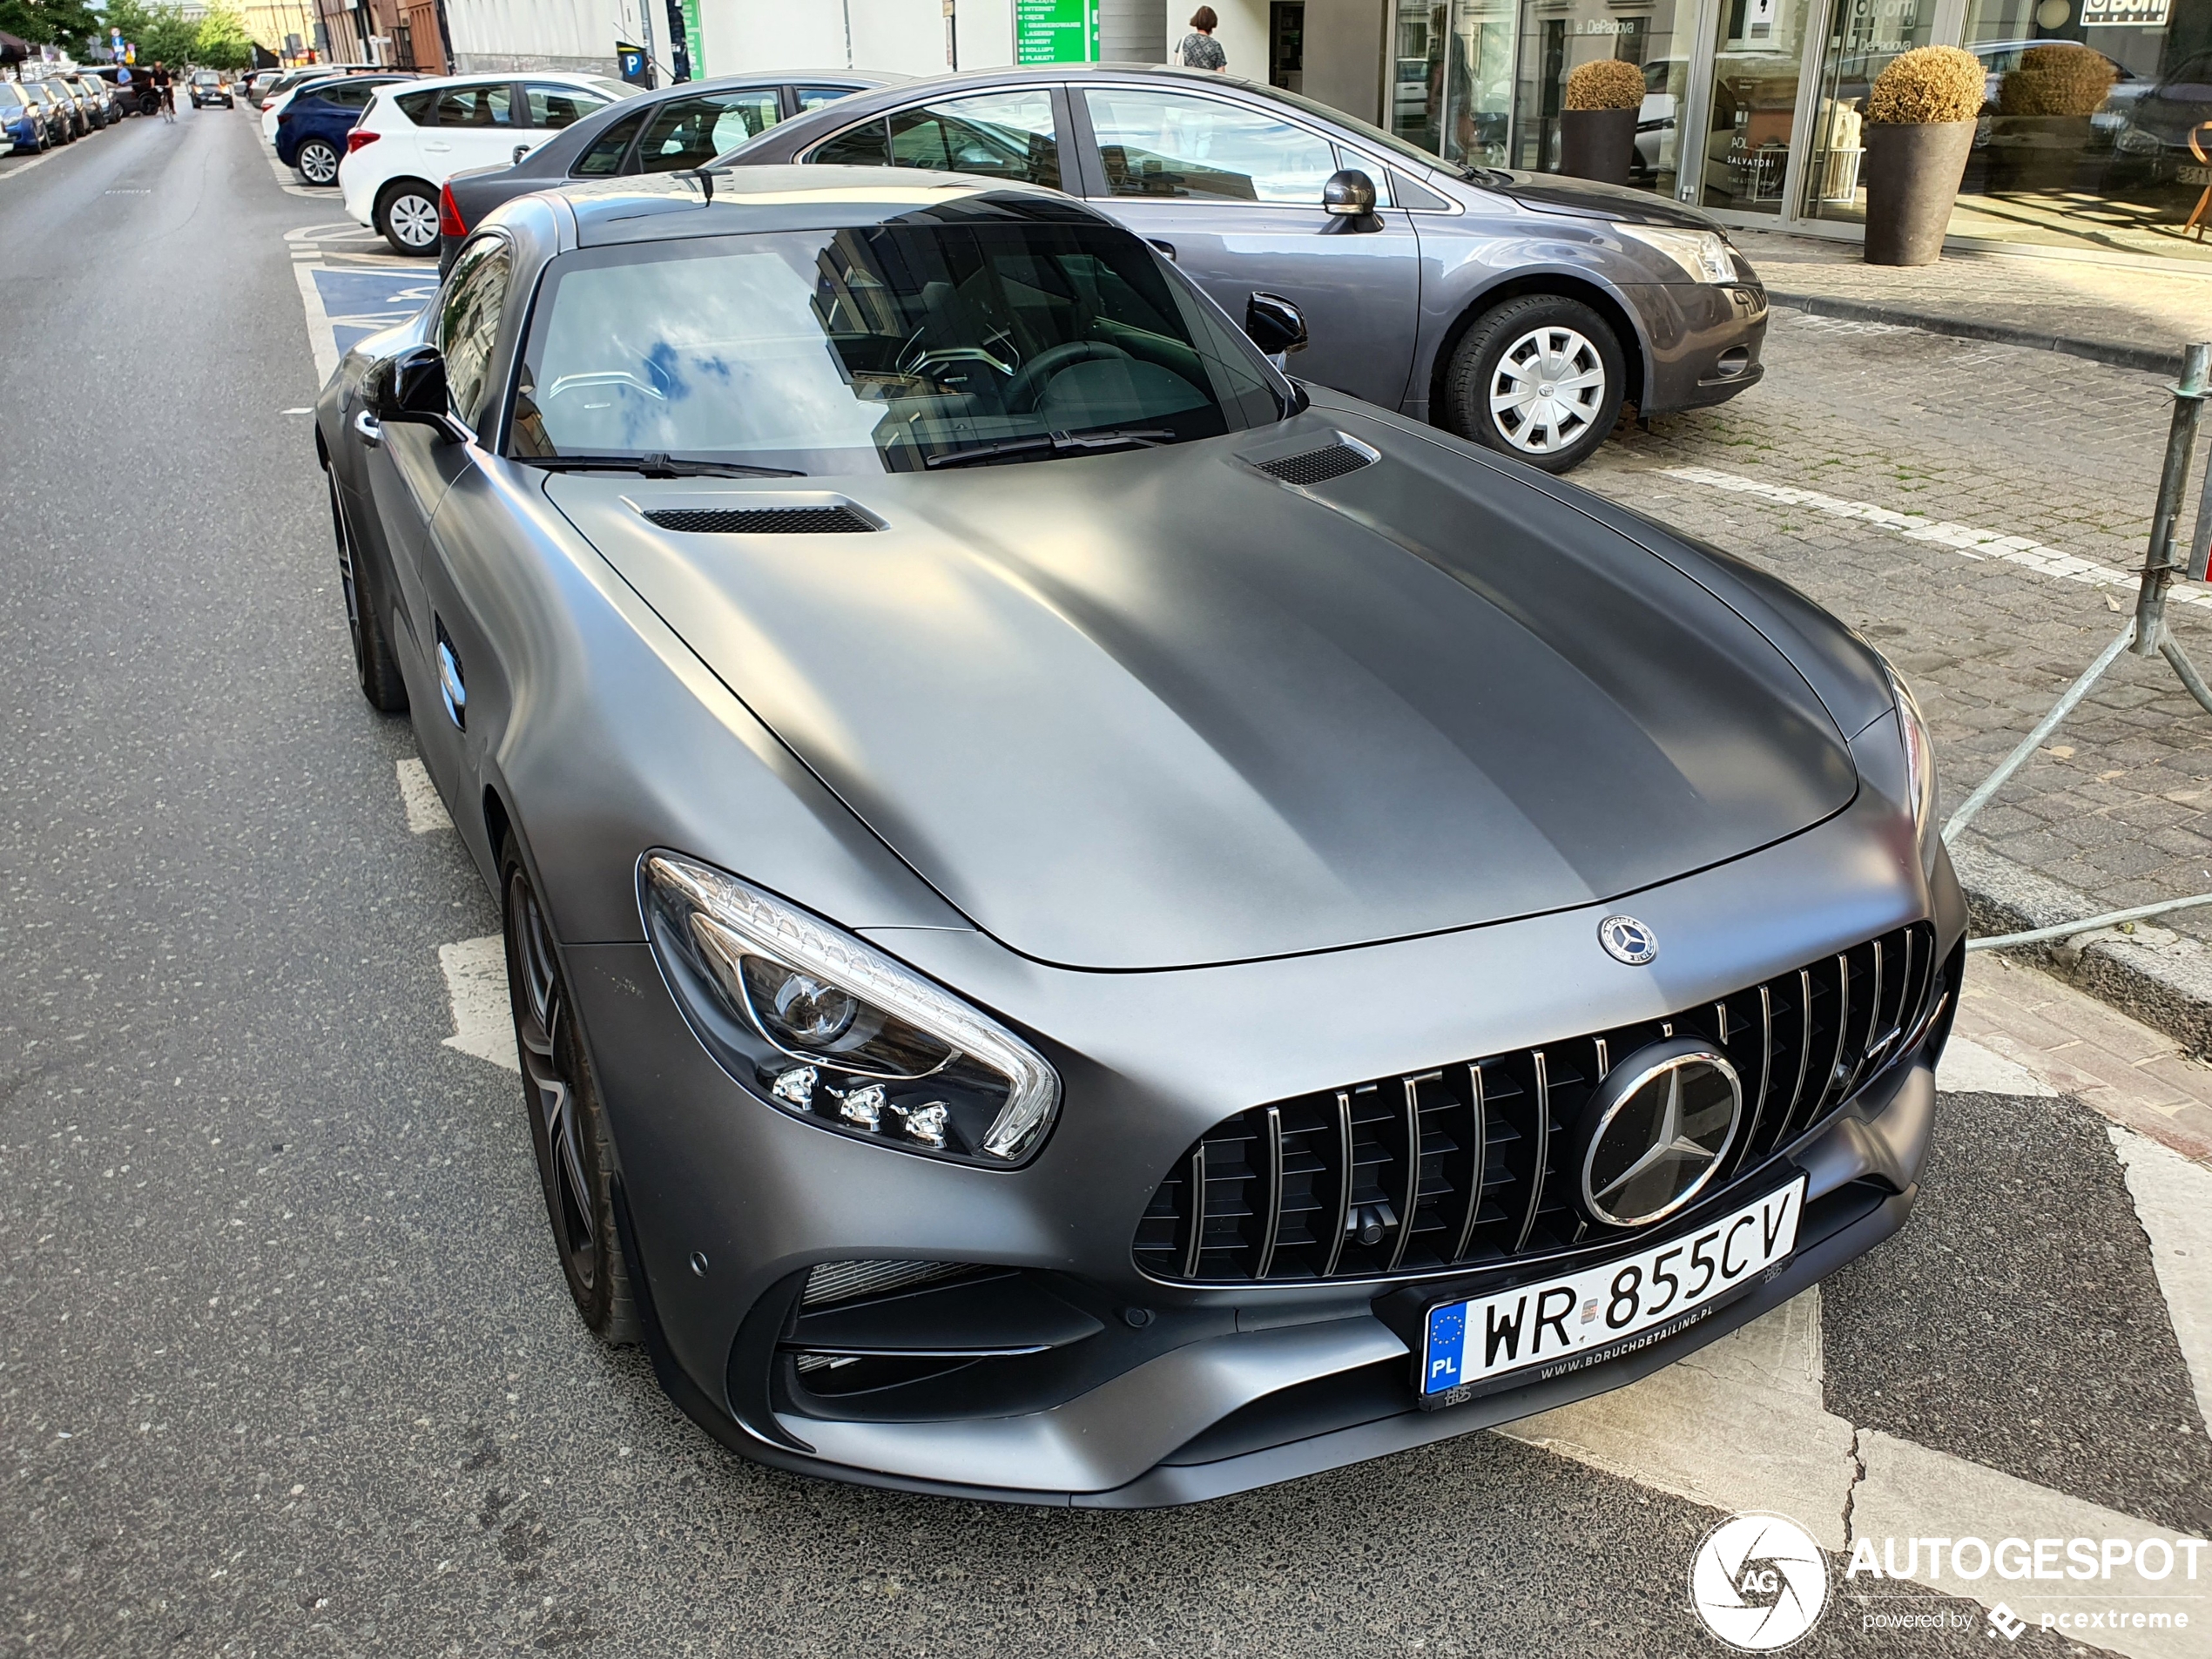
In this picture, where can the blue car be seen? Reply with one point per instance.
(311, 131)
(23, 122)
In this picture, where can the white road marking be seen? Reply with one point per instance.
(1966, 540)
(2174, 1200)
(36, 161)
(321, 336)
(483, 1024)
(298, 411)
(1969, 1068)
(425, 812)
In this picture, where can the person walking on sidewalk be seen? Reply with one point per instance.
(1199, 48)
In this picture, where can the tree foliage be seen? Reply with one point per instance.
(161, 33)
(222, 41)
(43, 22)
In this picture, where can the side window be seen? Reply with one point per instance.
(1000, 135)
(864, 146)
(469, 322)
(349, 98)
(491, 105)
(813, 97)
(557, 106)
(692, 131)
(604, 157)
(1173, 146)
(417, 106)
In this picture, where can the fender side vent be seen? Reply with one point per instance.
(762, 521)
(1317, 466)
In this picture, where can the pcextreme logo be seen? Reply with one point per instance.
(1758, 1582)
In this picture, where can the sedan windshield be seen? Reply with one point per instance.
(927, 342)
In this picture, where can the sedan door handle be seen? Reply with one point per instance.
(1167, 248)
(434, 147)
(371, 429)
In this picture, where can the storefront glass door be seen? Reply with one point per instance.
(1863, 36)
(1452, 90)
(1758, 53)
(1557, 35)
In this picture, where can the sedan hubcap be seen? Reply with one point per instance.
(1547, 391)
(414, 218)
(541, 1016)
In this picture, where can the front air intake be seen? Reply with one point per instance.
(762, 521)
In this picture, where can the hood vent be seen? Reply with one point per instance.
(1317, 466)
(762, 521)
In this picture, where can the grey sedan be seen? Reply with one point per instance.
(1518, 309)
(1087, 923)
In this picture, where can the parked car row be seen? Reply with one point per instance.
(38, 113)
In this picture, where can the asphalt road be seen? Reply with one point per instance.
(287, 1365)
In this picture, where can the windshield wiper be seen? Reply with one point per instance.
(1054, 444)
(656, 466)
(1493, 177)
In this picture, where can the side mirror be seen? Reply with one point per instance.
(521, 150)
(1275, 325)
(412, 389)
(1349, 195)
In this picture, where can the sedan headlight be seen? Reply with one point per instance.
(1919, 756)
(1703, 255)
(827, 1028)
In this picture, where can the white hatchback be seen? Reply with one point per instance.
(413, 138)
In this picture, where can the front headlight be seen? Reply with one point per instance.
(827, 1028)
(1703, 255)
(1919, 756)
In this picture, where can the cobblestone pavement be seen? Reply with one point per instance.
(1972, 508)
(2115, 303)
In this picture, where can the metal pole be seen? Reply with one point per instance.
(2088, 924)
(2033, 740)
(2158, 559)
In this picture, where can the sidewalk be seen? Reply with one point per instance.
(2132, 313)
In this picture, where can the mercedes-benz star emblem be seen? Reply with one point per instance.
(1655, 1133)
(1627, 940)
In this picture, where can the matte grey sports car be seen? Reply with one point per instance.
(1088, 923)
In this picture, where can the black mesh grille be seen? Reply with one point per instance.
(1317, 466)
(1467, 1164)
(761, 521)
(849, 1281)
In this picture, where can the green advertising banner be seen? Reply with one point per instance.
(695, 40)
(1056, 31)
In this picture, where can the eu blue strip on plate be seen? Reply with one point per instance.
(1447, 1329)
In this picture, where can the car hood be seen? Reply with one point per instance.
(1555, 193)
(1157, 709)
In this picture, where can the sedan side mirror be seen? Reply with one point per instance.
(1349, 196)
(1275, 325)
(521, 150)
(412, 389)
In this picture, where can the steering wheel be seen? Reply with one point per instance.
(1027, 386)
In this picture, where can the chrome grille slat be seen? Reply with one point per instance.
(1464, 1166)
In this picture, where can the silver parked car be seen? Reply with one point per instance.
(1086, 922)
(1518, 309)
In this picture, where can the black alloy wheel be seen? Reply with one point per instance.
(317, 162)
(374, 666)
(568, 1125)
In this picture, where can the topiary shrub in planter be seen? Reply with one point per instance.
(2043, 111)
(1597, 130)
(1919, 127)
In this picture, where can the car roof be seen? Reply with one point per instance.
(723, 201)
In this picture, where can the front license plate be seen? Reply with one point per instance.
(1626, 1302)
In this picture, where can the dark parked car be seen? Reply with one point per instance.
(64, 121)
(209, 89)
(312, 128)
(23, 119)
(1522, 310)
(96, 96)
(1085, 922)
(685, 125)
(134, 96)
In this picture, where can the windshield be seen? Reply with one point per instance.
(885, 347)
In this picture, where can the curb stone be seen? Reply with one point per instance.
(2114, 353)
(2163, 979)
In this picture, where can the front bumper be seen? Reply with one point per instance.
(1704, 341)
(1165, 1392)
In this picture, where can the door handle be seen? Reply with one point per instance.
(1167, 248)
(434, 147)
(371, 429)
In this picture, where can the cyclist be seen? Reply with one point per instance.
(164, 87)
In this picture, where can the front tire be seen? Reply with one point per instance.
(1539, 378)
(406, 218)
(317, 163)
(374, 666)
(568, 1123)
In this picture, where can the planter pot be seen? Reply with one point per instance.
(2036, 152)
(1597, 143)
(1912, 176)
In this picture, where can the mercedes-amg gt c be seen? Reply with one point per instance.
(1088, 923)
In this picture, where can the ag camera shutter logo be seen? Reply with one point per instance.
(1758, 1582)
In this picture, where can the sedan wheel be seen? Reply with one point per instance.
(1539, 378)
(568, 1126)
(409, 217)
(318, 163)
